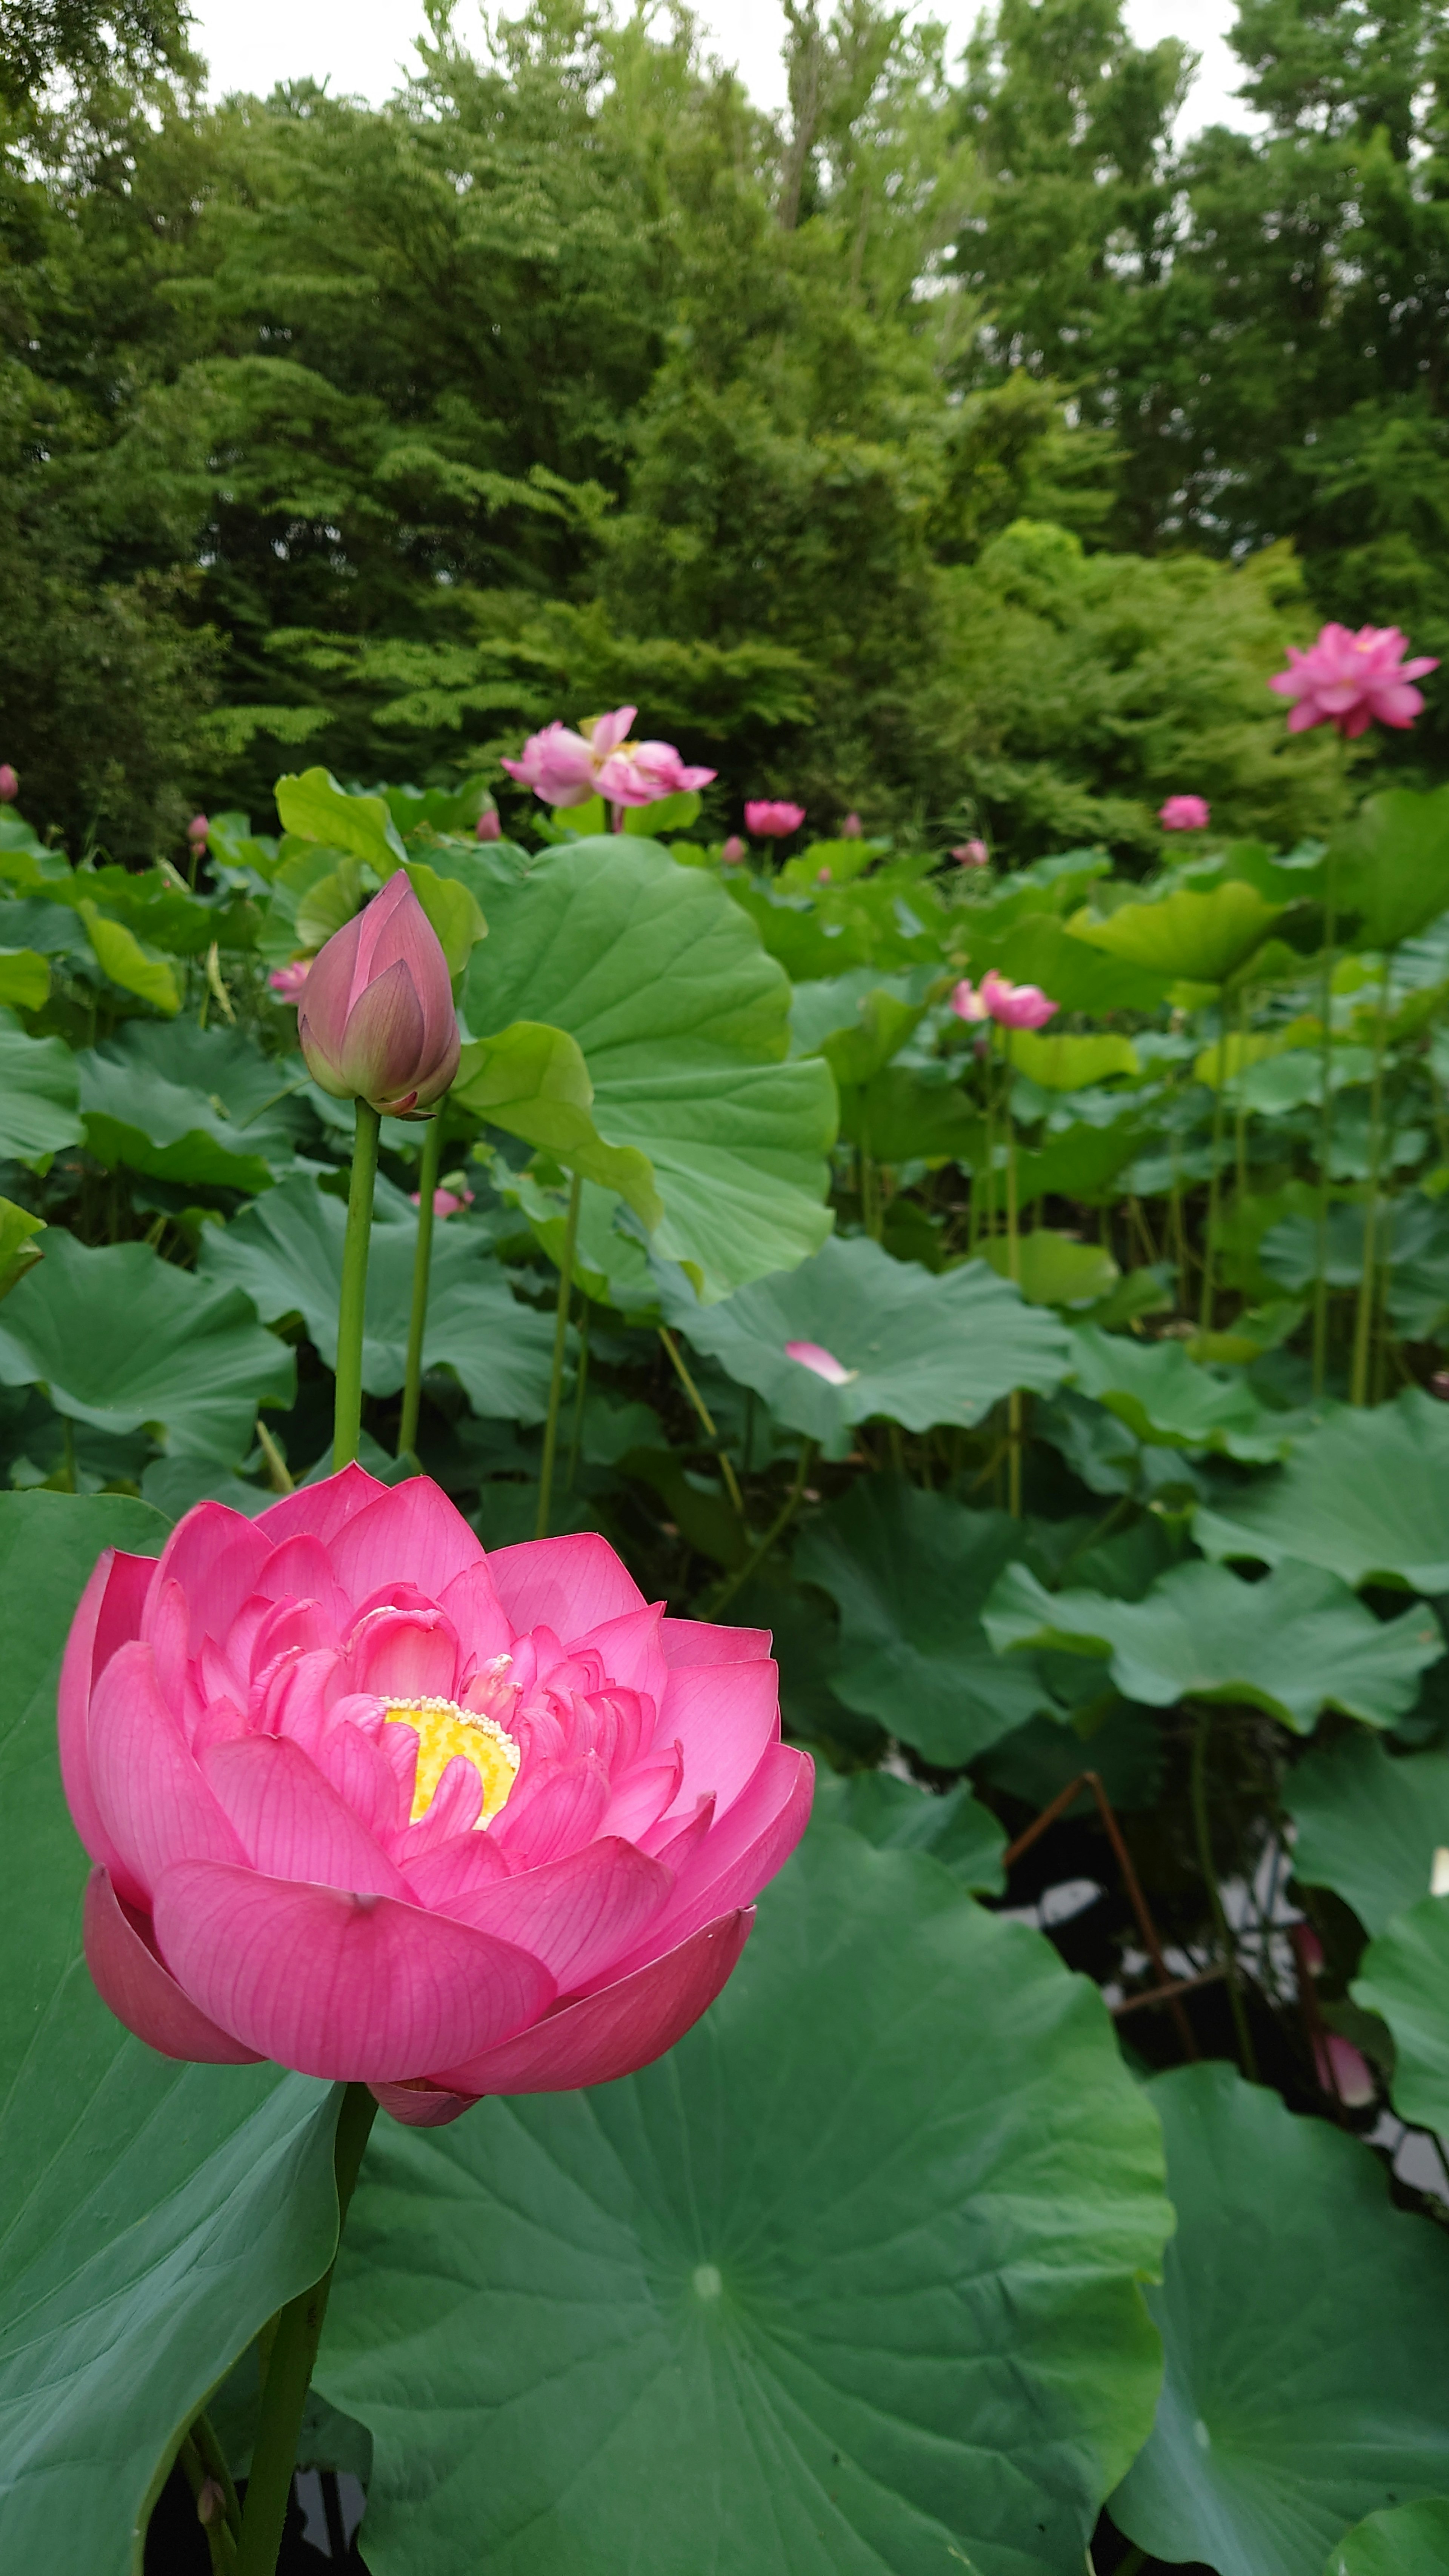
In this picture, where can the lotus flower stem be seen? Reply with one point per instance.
(432, 1154)
(1203, 1829)
(352, 1304)
(1325, 1130)
(298, 2329)
(711, 1428)
(1363, 1318)
(736, 1581)
(560, 1346)
(581, 1382)
(1240, 1113)
(1013, 1269)
(1205, 1309)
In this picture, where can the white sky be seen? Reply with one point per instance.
(360, 45)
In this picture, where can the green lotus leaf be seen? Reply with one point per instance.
(1404, 1978)
(1364, 1493)
(533, 1082)
(848, 2282)
(199, 1107)
(152, 2215)
(1306, 2322)
(24, 979)
(919, 1348)
(39, 1095)
(124, 1341)
(900, 1815)
(1294, 1644)
(1404, 2540)
(1068, 1063)
(453, 910)
(1391, 871)
(314, 807)
(910, 1573)
(1054, 1269)
(1369, 1824)
(1193, 936)
(285, 1251)
(1077, 974)
(1167, 1398)
(19, 1250)
(121, 956)
(684, 1026)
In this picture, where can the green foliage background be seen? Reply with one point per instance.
(956, 447)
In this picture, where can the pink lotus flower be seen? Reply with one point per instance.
(377, 1021)
(1343, 2070)
(567, 768)
(196, 831)
(850, 829)
(1353, 681)
(769, 819)
(1185, 814)
(446, 1202)
(9, 784)
(287, 981)
(365, 1801)
(1015, 1006)
(972, 854)
(821, 1362)
(488, 827)
(734, 850)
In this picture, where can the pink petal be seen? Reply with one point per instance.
(108, 1615)
(571, 1585)
(403, 1654)
(422, 2106)
(385, 1992)
(216, 1555)
(413, 1531)
(456, 1868)
(631, 1650)
(614, 2032)
(382, 1046)
(695, 1641)
(152, 1799)
(744, 1850)
(642, 1796)
(367, 1783)
(322, 1509)
(555, 1807)
(483, 1625)
(577, 1914)
(821, 1363)
(452, 1809)
(132, 1983)
(291, 1822)
(724, 1716)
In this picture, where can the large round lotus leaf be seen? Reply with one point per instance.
(1392, 871)
(847, 2284)
(1294, 1644)
(910, 1573)
(685, 1024)
(1165, 1397)
(39, 1095)
(1364, 1493)
(1306, 2325)
(920, 1349)
(286, 1252)
(1369, 1824)
(1408, 2540)
(1198, 937)
(900, 1815)
(195, 1106)
(152, 2215)
(1404, 1976)
(122, 1340)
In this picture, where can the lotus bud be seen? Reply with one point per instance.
(376, 1021)
(9, 784)
(488, 827)
(850, 828)
(734, 850)
(197, 830)
(972, 854)
(771, 818)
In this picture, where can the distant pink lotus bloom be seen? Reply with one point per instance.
(377, 1021)
(446, 1202)
(389, 1811)
(196, 831)
(823, 876)
(967, 1003)
(287, 981)
(1343, 2070)
(1185, 814)
(821, 1363)
(771, 818)
(9, 784)
(734, 850)
(1012, 1006)
(972, 854)
(850, 829)
(1352, 681)
(488, 826)
(567, 768)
